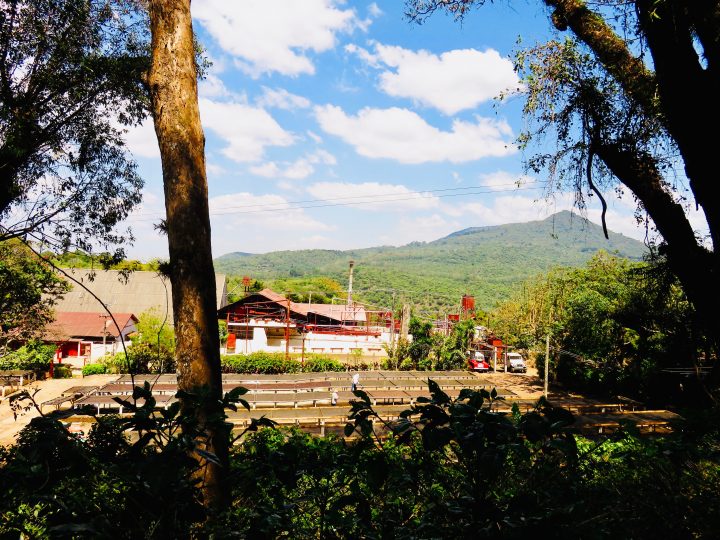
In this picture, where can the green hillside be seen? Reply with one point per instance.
(487, 262)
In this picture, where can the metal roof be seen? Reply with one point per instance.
(87, 324)
(338, 312)
(140, 292)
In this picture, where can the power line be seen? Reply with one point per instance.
(368, 200)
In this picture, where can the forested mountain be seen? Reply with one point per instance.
(486, 262)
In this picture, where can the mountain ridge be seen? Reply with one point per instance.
(487, 262)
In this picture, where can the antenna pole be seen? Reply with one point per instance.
(350, 280)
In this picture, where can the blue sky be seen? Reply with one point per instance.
(341, 125)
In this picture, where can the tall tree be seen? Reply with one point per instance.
(173, 91)
(632, 98)
(71, 76)
(28, 290)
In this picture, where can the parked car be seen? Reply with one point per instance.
(477, 362)
(516, 363)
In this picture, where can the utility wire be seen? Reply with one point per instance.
(368, 200)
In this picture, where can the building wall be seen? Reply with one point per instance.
(272, 339)
(92, 350)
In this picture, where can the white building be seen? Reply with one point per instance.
(267, 321)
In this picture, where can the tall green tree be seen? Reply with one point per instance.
(71, 77)
(28, 290)
(614, 324)
(629, 99)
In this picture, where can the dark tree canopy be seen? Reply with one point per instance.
(628, 99)
(28, 289)
(71, 76)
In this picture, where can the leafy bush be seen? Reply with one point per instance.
(141, 357)
(447, 468)
(259, 362)
(318, 363)
(94, 369)
(62, 372)
(35, 355)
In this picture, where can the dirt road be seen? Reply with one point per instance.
(47, 389)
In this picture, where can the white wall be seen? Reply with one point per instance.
(269, 340)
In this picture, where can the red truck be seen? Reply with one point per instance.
(477, 362)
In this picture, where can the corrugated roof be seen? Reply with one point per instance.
(272, 295)
(69, 324)
(139, 293)
(339, 312)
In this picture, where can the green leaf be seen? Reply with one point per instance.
(234, 394)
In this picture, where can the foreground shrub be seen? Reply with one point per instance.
(447, 468)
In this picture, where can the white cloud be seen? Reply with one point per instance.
(281, 99)
(373, 196)
(404, 136)
(314, 136)
(322, 156)
(296, 170)
(451, 82)
(504, 181)
(514, 209)
(520, 209)
(260, 223)
(246, 130)
(365, 55)
(214, 169)
(425, 228)
(267, 170)
(374, 10)
(274, 36)
(213, 87)
(149, 243)
(141, 140)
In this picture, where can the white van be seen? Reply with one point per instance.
(516, 363)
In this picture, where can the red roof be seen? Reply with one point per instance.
(272, 295)
(338, 312)
(69, 324)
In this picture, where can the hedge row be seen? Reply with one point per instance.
(274, 363)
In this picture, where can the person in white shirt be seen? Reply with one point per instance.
(355, 381)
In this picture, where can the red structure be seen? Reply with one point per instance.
(468, 304)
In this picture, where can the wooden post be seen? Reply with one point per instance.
(287, 331)
(547, 364)
(302, 357)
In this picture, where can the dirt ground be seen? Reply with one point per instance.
(47, 389)
(526, 386)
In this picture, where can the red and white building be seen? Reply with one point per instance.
(268, 321)
(84, 337)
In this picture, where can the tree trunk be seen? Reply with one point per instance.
(687, 85)
(173, 89)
